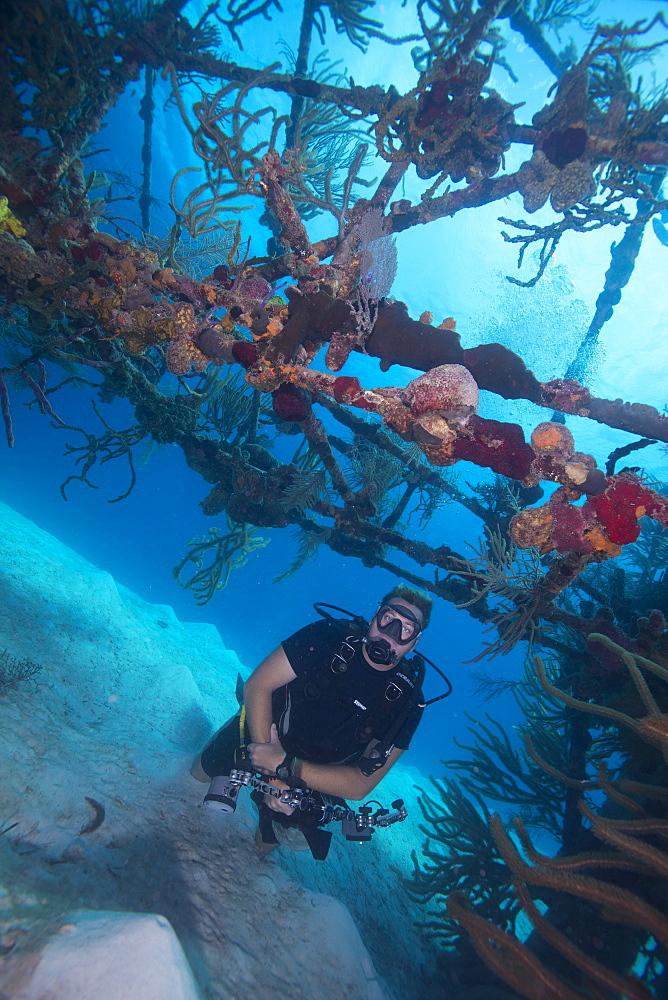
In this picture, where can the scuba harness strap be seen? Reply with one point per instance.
(411, 697)
(404, 686)
(241, 754)
(362, 623)
(377, 756)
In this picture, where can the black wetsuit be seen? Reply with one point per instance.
(323, 716)
(331, 722)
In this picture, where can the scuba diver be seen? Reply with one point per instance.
(331, 710)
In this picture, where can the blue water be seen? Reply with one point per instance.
(454, 268)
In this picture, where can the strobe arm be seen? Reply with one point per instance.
(355, 825)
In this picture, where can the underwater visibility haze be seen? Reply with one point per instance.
(302, 302)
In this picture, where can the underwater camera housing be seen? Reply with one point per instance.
(222, 794)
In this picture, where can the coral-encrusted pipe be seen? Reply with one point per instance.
(317, 438)
(398, 339)
(293, 233)
(6, 415)
(448, 432)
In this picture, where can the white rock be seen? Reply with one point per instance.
(112, 956)
(340, 946)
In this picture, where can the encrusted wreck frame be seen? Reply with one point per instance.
(133, 316)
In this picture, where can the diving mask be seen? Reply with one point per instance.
(398, 622)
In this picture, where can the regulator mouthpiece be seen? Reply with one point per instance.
(380, 651)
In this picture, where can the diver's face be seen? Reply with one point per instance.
(399, 624)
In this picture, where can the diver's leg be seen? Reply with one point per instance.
(198, 771)
(217, 757)
(261, 845)
(265, 838)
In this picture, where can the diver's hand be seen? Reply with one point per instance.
(265, 757)
(278, 805)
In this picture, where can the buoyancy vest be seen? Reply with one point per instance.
(328, 693)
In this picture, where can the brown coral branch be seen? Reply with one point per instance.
(621, 906)
(612, 791)
(644, 790)
(641, 660)
(508, 957)
(655, 860)
(642, 688)
(621, 985)
(584, 706)
(580, 785)
(648, 824)
(574, 862)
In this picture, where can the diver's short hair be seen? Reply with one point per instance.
(418, 598)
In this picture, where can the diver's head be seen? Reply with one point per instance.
(402, 616)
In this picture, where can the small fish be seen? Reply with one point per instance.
(97, 822)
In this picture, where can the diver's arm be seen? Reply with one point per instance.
(332, 779)
(273, 673)
(340, 779)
